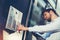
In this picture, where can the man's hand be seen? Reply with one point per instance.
(21, 27)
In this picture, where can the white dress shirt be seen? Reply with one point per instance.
(53, 26)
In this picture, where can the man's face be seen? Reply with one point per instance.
(47, 16)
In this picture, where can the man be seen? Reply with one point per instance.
(54, 26)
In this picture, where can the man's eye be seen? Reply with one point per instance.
(45, 14)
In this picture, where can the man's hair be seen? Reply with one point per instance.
(48, 10)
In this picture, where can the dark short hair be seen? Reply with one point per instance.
(48, 10)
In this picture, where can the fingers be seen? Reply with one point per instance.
(20, 27)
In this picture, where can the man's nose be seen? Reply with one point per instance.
(44, 16)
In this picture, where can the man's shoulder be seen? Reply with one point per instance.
(58, 18)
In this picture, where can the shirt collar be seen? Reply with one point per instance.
(55, 19)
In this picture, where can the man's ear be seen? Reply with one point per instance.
(51, 12)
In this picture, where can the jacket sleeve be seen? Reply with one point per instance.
(45, 28)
